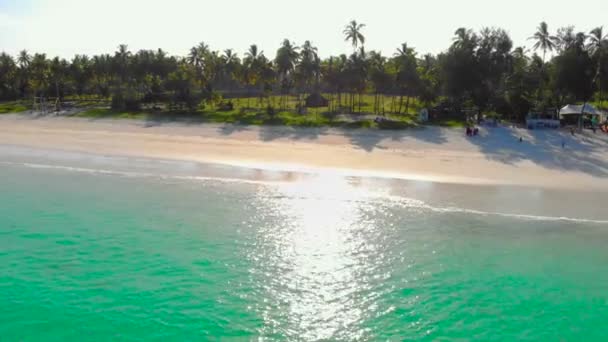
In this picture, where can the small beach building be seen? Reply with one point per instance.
(579, 115)
(548, 119)
(316, 100)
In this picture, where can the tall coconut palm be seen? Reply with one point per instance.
(544, 40)
(352, 33)
(122, 58)
(6, 60)
(8, 70)
(230, 57)
(286, 58)
(123, 53)
(356, 75)
(194, 58)
(565, 38)
(197, 55)
(597, 40)
(580, 41)
(380, 79)
(253, 53)
(465, 39)
(40, 73)
(407, 76)
(404, 51)
(231, 65)
(58, 70)
(309, 67)
(102, 72)
(24, 59)
(253, 65)
(285, 61)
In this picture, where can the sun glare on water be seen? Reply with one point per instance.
(317, 247)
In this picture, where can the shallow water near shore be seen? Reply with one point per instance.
(109, 248)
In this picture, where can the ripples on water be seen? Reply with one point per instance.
(326, 258)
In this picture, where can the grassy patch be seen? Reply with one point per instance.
(12, 107)
(100, 113)
(256, 117)
(253, 111)
(450, 123)
(365, 104)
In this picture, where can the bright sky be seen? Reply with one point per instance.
(67, 27)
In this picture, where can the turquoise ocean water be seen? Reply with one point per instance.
(130, 256)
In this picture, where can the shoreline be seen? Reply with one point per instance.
(432, 154)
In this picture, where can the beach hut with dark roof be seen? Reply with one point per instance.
(316, 100)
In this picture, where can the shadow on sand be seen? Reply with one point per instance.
(581, 153)
(544, 147)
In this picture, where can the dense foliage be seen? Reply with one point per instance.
(480, 69)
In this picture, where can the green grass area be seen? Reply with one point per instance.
(99, 113)
(389, 103)
(12, 107)
(256, 117)
(454, 123)
(253, 111)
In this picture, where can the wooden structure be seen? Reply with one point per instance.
(316, 100)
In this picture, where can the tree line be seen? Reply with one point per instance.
(479, 69)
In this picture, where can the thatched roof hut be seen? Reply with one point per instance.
(316, 100)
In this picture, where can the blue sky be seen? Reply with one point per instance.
(66, 27)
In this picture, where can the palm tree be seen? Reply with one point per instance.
(197, 57)
(40, 72)
(252, 67)
(404, 51)
(230, 57)
(194, 57)
(285, 60)
(380, 79)
(309, 66)
(24, 59)
(231, 66)
(253, 54)
(58, 73)
(407, 76)
(356, 75)
(597, 41)
(8, 70)
(544, 40)
(580, 41)
(465, 39)
(352, 34)
(308, 69)
(122, 57)
(102, 73)
(565, 38)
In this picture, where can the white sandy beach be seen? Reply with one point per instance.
(434, 154)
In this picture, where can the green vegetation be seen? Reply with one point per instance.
(479, 73)
(257, 116)
(98, 113)
(12, 107)
(450, 123)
